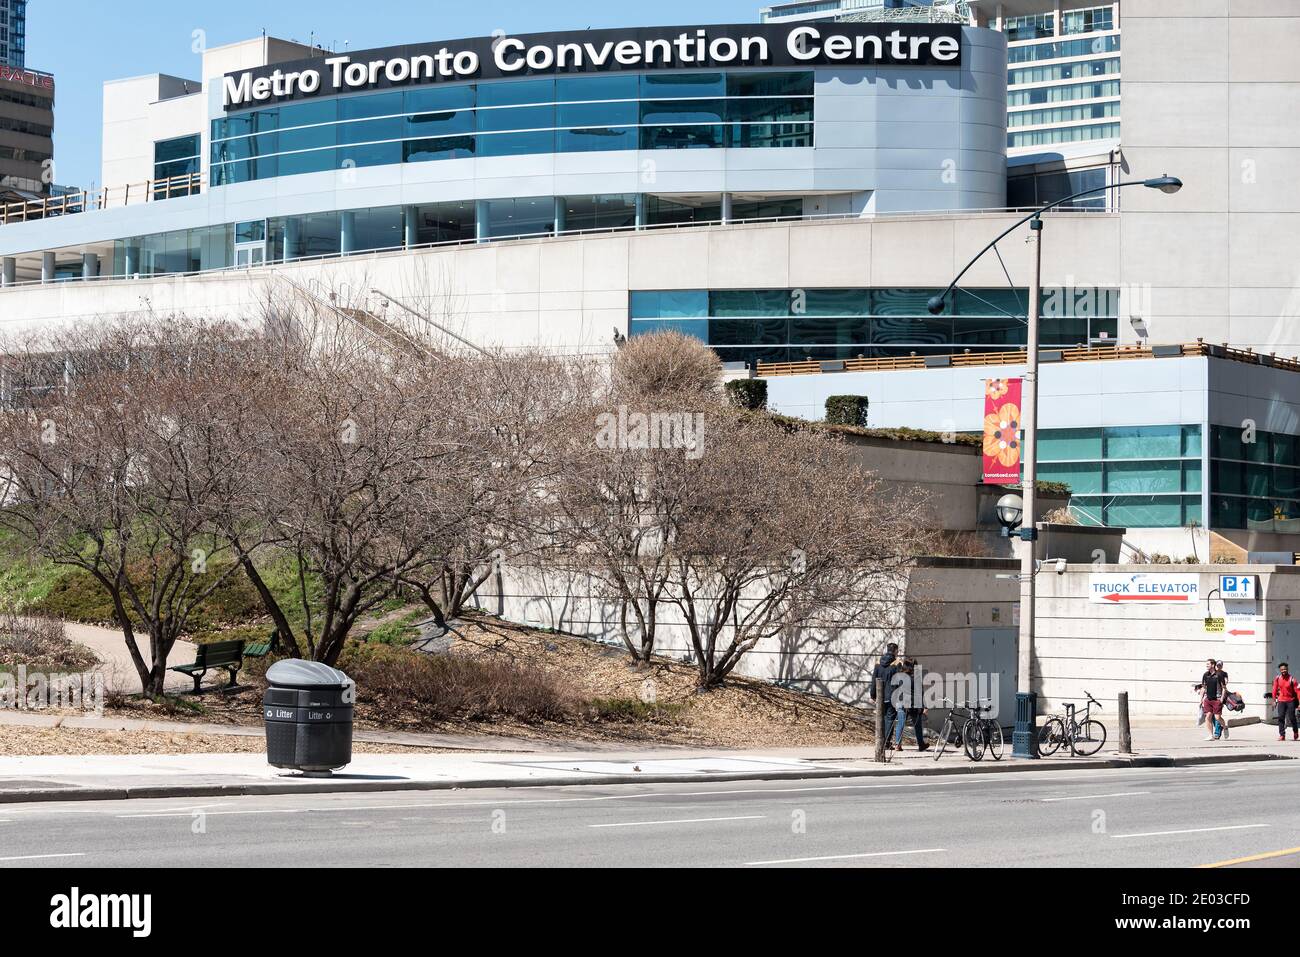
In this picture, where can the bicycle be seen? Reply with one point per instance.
(1085, 737)
(982, 735)
(954, 722)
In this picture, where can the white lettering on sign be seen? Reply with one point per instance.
(545, 54)
(1237, 586)
(1144, 589)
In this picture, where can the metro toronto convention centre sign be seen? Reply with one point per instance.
(597, 51)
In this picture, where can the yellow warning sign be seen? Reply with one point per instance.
(1214, 624)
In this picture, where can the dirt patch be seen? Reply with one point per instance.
(656, 703)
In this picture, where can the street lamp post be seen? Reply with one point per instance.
(1024, 740)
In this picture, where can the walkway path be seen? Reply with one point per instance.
(116, 664)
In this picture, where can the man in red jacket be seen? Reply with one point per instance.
(1286, 694)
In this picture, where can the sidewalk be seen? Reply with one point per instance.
(116, 777)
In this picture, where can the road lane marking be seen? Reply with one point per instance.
(689, 820)
(39, 857)
(1254, 857)
(1194, 830)
(848, 857)
(1094, 797)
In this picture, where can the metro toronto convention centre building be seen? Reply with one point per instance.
(791, 193)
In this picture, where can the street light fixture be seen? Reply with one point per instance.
(1025, 739)
(1011, 510)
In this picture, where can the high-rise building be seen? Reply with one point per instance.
(1063, 71)
(833, 9)
(13, 32)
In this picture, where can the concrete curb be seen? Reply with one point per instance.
(343, 786)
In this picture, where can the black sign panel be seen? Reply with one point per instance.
(791, 45)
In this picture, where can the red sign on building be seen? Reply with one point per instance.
(1002, 431)
(27, 77)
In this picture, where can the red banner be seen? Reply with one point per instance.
(1002, 432)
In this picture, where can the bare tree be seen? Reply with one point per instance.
(113, 455)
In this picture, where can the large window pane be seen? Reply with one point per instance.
(448, 147)
(373, 104)
(597, 114)
(1227, 512)
(522, 118)
(369, 131)
(521, 217)
(1144, 442)
(837, 302)
(600, 212)
(612, 87)
(670, 304)
(768, 111)
(511, 92)
(699, 328)
(1082, 477)
(515, 144)
(770, 84)
(374, 154)
(308, 138)
(750, 302)
(440, 123)
(317, 161)
(681, 137)
(596, 139)
(309, 113)
(770, 136)
(1144, 477)
(683, 111)
(379, 228)
(1145, 512)
(444, 222)
(682, 84)
(437, 99)
(1069, 444)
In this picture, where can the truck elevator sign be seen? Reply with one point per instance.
(800, 45)
(1144, 589)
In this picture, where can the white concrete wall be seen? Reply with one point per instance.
(1154, 652)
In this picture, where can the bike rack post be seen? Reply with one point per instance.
(1125, 732)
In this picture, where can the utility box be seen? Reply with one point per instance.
(308, 710)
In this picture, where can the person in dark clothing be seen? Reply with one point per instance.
(909, 705)
(1213, 687)
(1286, 697)
(884, 672)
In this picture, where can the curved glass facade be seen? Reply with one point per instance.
(516, 117)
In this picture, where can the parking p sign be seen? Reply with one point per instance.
(1237, 586)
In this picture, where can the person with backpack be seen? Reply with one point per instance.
(1286, 697)
(1213, 688)
(909, 705)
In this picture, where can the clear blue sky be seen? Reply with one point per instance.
(85, 42)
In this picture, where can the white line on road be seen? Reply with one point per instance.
(689, 820)
(1194, 830)
(1094, 797)
(39, 857)
(848, 857)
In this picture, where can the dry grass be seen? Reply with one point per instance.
(42, 645)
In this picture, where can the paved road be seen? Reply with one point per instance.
(1146, 818)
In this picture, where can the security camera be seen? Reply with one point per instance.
(1140, 327)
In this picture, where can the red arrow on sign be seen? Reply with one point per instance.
(1115, 597)
(1241, 633)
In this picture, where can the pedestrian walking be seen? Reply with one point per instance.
(1212, 692)
(1228, 705)
(884, 672)
(909, 704)
(1286, 697)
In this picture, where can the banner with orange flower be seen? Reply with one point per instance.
(1002, 431)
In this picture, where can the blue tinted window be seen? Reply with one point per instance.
(596, 139)
(683, 111)
(511, 92)
(613, 87)
(438, 98)
(516, 144)
(373, 154)
(769, 111)
(770, 84)
(448, 147)
(291, 164)
(699, 328)
(380, 104)
(597, 114)
(521, 217)
(682, 84)
(681, 137)
(441, 123)
(521, 118)
(770, 135)
(366, 131)
(670, 304)
(308, 113)
(308, 138)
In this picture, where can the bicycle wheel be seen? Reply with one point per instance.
(1050, 737)
(972, 739)
(1089, 738)
(993, 735)
(941, 745)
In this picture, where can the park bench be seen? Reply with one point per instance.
(260, 649)
(212, 656)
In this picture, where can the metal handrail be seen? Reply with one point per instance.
(82, 201)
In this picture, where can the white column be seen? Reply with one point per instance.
(9, 271)
(89, 266)
(47, 267)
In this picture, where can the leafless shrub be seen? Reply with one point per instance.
(666, 364)
(41, 644)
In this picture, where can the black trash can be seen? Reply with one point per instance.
(308, 710)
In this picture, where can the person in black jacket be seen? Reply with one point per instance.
(884, 672)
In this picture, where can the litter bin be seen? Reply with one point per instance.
(308, 710)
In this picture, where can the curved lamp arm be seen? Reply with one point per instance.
(1166, 184)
